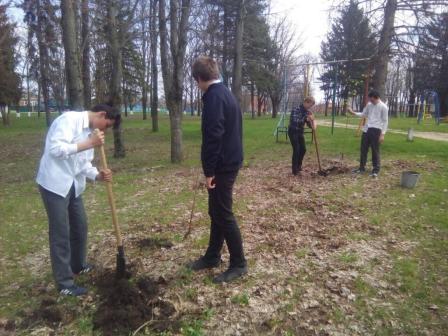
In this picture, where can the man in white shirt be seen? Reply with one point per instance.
(377, 114)
(64, 167)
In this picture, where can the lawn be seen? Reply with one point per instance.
(399, 123)
(340, 255)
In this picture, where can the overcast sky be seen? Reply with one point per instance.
(309, 17)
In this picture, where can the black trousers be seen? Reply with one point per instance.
(371, 139)
(223, 223)
(297, 139)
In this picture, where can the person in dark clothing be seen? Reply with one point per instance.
(222, 157)
(299, 117)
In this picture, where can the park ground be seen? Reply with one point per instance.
(336, 255)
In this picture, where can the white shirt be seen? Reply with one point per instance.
(377, 116)
(61, 166)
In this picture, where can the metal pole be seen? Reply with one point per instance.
(307, 80)
(333, 107)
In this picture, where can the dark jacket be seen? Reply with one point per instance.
(298, 119)
(222, 136)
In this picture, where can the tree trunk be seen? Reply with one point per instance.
(225, 43)
(38, 99)
(115, 94)
(5, 115)
(259, 104)
(237, 81)
(176, 133)
(384, 44)
(252, 99)
(411, 104)
(172, 66)
(192, 96)
(199, 103)
(87, 86)
(43, 59)
(72, 66)
(275, 106)
(154, 70)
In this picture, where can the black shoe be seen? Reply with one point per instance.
(297, 171)
(86, 269)
(202, 264)
(358, 171)
(73, 291)
(374, 174)
(230, 275)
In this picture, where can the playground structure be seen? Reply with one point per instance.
(424, 107)
(281, 125)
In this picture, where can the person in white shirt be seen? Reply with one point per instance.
(377, 114)
(63, 169)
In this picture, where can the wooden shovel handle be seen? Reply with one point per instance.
(316, 143)
(110, 196)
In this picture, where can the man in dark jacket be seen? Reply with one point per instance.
(222, 157)
(299, 117)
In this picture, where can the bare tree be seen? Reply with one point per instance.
(384, 46)
(154, 67)
(115, 47)
(72, 55)
(85, 44)
(279, 74)
(237, 82)
(172, 61)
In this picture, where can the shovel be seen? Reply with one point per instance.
(193, 206)
(321, 172)
(121, 259)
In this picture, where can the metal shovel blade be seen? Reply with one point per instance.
(121, 263)
(322, 173)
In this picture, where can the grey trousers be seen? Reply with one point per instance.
(67, 223)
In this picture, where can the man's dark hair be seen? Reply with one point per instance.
(205, 68)
(374, 94)
(112, 113)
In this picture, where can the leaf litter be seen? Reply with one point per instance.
(295, 231)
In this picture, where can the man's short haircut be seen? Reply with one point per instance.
(310, 100)
(374, 94)
(205, 68)
(112, 113)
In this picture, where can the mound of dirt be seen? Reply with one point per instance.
(335, 169)
(127, 304)
(7, 327)
(154, 243)
(49, 312)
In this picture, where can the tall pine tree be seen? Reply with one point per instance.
(9, 80)
(350, 38)
(431, 64)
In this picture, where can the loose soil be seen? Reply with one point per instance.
(50, 312)
(127, 304)
(154, 243)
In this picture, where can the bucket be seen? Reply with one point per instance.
(409, 179)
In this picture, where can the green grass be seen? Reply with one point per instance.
(417, 277)
(397, 123)
(240, 299)
(348, 257)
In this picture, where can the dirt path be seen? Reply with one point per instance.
(437, 136)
